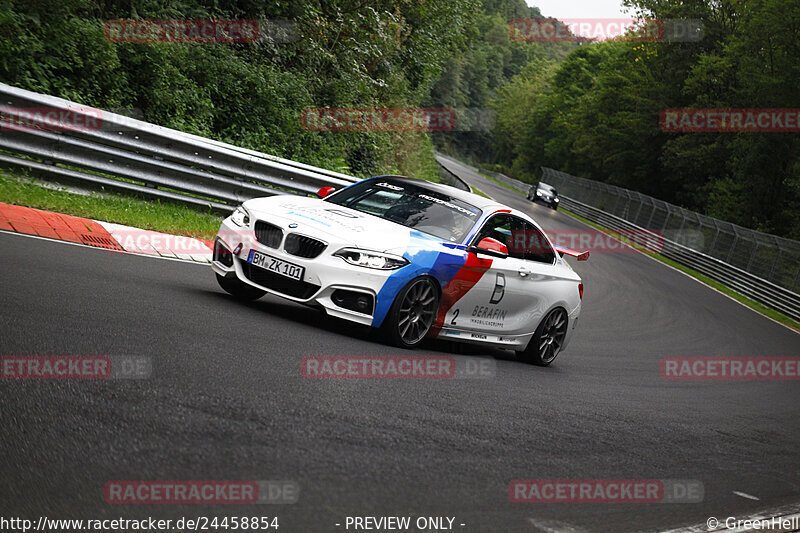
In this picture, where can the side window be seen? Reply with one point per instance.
(530, 243)
(499, 228)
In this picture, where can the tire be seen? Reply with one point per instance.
(239, 290)
(546, 343)
(412, 314)
(555, 207)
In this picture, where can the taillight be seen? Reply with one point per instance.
(580, 289)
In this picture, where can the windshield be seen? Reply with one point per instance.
(412, 206)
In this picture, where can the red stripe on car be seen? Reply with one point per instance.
(466, 278)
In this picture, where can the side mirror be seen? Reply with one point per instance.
(325, 191)
(490, 246)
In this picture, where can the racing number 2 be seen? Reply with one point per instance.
(455, 315)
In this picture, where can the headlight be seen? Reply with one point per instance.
(555, 199)
(368, 259)
(241, 217)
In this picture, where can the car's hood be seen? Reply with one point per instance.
(334, 223)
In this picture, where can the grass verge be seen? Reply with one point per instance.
(756, 306)
(480, 193)
(167, 217)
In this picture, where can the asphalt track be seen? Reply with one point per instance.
(227, 401)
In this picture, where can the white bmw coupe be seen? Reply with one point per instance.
(414, 258)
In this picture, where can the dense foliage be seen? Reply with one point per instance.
(591, 110)
(341, 53)
(471, 79)
(596, 113)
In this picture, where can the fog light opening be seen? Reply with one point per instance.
(222, 254)
(354, 301)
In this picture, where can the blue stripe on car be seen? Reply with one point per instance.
(441, 264)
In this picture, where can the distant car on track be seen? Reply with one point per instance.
(545, 194)
(413, 258)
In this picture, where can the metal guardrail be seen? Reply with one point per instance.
(119, 153)
(685, 246)
(520, 186)
(102, 150)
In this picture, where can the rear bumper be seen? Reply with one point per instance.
(573, 323)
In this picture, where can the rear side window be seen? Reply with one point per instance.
(523, 239)
(499, 227)
(530, 243)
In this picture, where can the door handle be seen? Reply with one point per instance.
(523, 271)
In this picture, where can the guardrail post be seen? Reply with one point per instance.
(666, 218)
(652, 214)
(626, 211)
(616, 203)
(680, 228)
(733, 246)
(641, 203)
(752, 254)
(775, 263)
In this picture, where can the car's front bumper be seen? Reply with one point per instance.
(550, 202)
(322, 277)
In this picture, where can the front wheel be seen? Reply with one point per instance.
(548, 340)
(412, 313)
(239, 290)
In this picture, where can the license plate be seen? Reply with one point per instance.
(275, 265)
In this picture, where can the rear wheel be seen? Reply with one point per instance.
(238, 289)
(412, 313)
(548, 340)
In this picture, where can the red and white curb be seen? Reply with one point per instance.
(98, 234)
